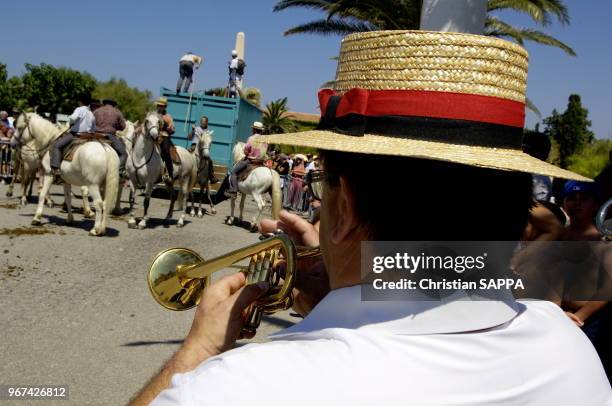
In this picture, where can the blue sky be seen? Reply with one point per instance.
(141, 41)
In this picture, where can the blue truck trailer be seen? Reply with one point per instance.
(231, 120)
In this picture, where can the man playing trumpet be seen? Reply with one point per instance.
(448, 139)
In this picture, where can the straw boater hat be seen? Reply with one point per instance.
(258, 126)
(433, 95)
(162, 101)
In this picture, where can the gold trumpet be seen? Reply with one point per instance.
(178, 276)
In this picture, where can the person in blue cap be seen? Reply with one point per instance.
(580, 202)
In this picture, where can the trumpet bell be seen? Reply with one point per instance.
(167, 287)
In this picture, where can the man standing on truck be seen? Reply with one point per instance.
(236, 70)
(187, 63)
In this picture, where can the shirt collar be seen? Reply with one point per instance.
(343, 308)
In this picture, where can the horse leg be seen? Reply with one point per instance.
(261, 204)
(242, 200)
(25, 180)
(200, 211)
(99, 226)
(145, 206)
(230, 220)
(183, 200)
(87, 213)
(68, 201)
(132, 220)
(47, 181)
(172, 201)
(212, 206)
(16, 169)
(117, 209)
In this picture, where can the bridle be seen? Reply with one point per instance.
(24, 147)
(145, 131)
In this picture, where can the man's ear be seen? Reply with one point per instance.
(346, 221)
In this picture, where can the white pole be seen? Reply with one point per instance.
(188, 116)
(467, 16)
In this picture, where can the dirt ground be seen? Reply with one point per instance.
(76, 309)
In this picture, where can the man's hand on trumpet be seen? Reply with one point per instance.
(312, 282)
(216, 327)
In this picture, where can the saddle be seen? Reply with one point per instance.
(174, 155)
(254, 164)
(80, 139)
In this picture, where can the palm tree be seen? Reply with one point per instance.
(275, 118)
(348, 16)
(253, 96)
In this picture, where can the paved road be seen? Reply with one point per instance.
(76, 309)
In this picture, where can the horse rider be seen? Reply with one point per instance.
(109, 120)
(252, 150)
(187, 63)
(82, 120)
(196, 134)
(166, 140)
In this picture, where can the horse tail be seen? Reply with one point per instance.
(276, 194)
(111, 185)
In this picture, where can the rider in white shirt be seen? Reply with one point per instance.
(82, 120)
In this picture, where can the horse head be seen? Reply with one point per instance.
(204, 142)
(153, 125)
(23, 132)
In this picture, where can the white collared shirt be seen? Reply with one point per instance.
(455, 352)
(83, 120)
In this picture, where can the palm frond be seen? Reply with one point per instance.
(539, 10)
(327, 27)
(312, 4)
(497, 28)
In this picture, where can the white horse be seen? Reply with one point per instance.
(145, 166)
(260, 181)
(94, 165)
(27, 162)
(202, 155)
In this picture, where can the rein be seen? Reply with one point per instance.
(139, 132)
(34, 151)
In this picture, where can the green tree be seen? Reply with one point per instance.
(348, 16)
(55, 90)
(275, 118)
(592, 159)
(133, 103)
(570, 130)
(10, 91)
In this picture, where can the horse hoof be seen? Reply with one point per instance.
(254, 228)
(132, 225)
(142, 226)
(88, 215)
(116, 212)
(180, 225)
(200, 214)
(69, 220)
(36, 222)
(95, 233)
(9, 194)
(213, 211)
